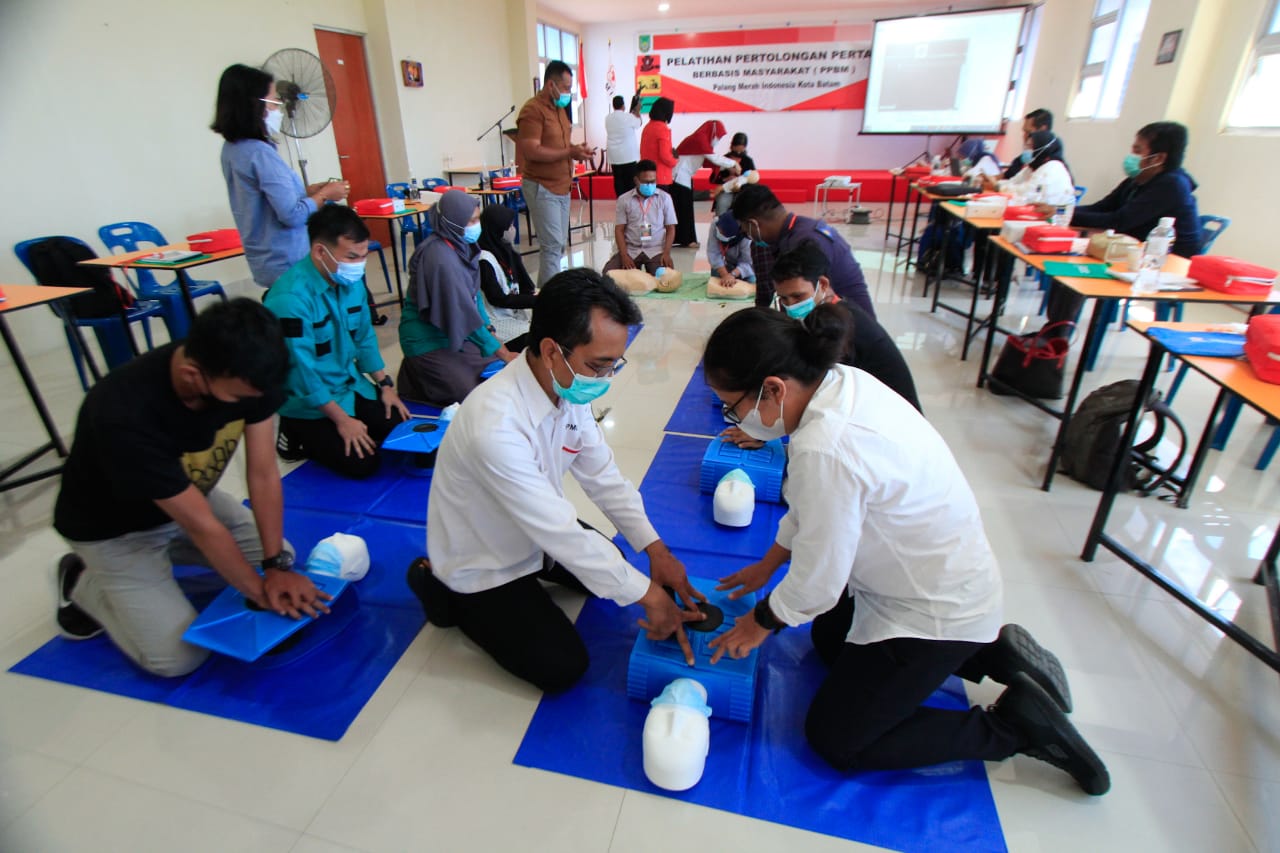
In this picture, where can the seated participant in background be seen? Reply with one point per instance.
(444, 334)
(888, 561)
(723, 200)
(977, 162)
(696, 150)
(333, 413)
(1045, 178)
(728, 252)
(644, 225)
(772, 231)
(498, 521)
(1036, 120)
(139, 490)
(1156, 186)
(508, 290)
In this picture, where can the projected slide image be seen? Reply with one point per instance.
(923, 76)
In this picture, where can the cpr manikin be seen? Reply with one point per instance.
(735, 499)
(677, 736)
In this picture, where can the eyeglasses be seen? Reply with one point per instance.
(598, 372)
(729, 412)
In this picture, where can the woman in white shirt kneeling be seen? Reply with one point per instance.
(888, 560)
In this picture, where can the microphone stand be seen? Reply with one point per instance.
(928, 140)
(502, 151)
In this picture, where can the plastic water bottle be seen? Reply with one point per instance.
(935, 165)
(1062, 215)
(1154, 253)
(414, 192)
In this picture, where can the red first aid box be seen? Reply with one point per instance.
(218, 240)
(511, 183)
(1048, 239)
(1231, 275)
(374, 206)
(1022, 213)
(1262, 346)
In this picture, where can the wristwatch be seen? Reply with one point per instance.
(282, 562)
(765, 618)
(386, 382)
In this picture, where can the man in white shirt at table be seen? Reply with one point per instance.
(623, 144)
(498, 521)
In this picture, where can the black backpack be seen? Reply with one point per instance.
(55, 261)
(1095, 432)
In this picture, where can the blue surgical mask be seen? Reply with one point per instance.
(800, 310)
(563, 99)
(1026, 155)
(583, 389)
(348, 272)
(1132, 165)
(471, 233)
(647, 190)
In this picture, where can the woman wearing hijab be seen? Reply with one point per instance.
(444, 332)
(697, 149)
(976, 162)
(508, 290)
(1045, 178)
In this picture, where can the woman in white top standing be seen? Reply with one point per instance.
(696, 151)
(1045, 178)
(888, 560)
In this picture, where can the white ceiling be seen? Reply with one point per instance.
(601, 11)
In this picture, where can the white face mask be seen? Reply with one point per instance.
(754, 427)
(273, 120)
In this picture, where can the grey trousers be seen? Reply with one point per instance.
(550, 214)
(129, 588)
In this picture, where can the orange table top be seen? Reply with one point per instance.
(18, 296)
(411, 208)
(982, 223)
(138, 259)
(1234, 374)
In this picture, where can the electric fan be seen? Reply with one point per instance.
(306, 88)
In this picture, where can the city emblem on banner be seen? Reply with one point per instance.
(646, 43)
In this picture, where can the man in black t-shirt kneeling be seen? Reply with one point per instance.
(139, 489)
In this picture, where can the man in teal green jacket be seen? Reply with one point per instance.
(333, 413)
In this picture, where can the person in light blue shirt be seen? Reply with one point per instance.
(332, 412)
(269, 204)
(729, 251)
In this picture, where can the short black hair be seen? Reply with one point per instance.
(805, 261)
(754, 201)
(618, 102)
(1041, 118)
(1168, 138)
(555, 68)
(334, 221)
(239, 109)
(240, 339)
(562, 308)
(662, 109)
(755, 343)
(646, 166)
(739, 138)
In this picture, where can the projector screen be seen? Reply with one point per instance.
(942, 73)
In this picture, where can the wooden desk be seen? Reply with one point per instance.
(1099, 292)
(411, 208)
(18, 297)
(983, 226)
(1233, 376)
(136, 260)
(478, 171)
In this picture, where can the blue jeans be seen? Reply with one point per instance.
(550, 213)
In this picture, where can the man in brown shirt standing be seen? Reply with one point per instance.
(543, 143)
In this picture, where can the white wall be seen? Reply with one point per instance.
(1236, 173)
(780, 140)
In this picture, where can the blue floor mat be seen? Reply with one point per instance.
(697, 411)
(765, 770)
(318, 694)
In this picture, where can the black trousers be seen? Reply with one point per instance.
(682, 198)
(624, 178)
(319, 440)
(867, 715)
(519, 626)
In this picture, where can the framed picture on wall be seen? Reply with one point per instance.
(1168, 47)
(412, 72)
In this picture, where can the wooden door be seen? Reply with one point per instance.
(355, 130)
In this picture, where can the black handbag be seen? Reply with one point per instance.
(1033, 364)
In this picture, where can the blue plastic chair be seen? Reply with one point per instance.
(114, 339)
(133, 236)
(408, 224)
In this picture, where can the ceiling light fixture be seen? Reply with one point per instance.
(662, 7)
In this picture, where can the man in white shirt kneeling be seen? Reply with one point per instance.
(498, 521)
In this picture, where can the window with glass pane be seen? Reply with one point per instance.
(569, 49)
(1255, 104)
(1114, 34)
(542, 41)
(553, 43)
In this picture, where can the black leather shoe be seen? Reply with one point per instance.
(1015, 650)
(432, 594)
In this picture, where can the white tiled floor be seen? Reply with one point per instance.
(1188, 723)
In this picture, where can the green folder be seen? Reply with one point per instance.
(1069, 269)
(150, 263)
